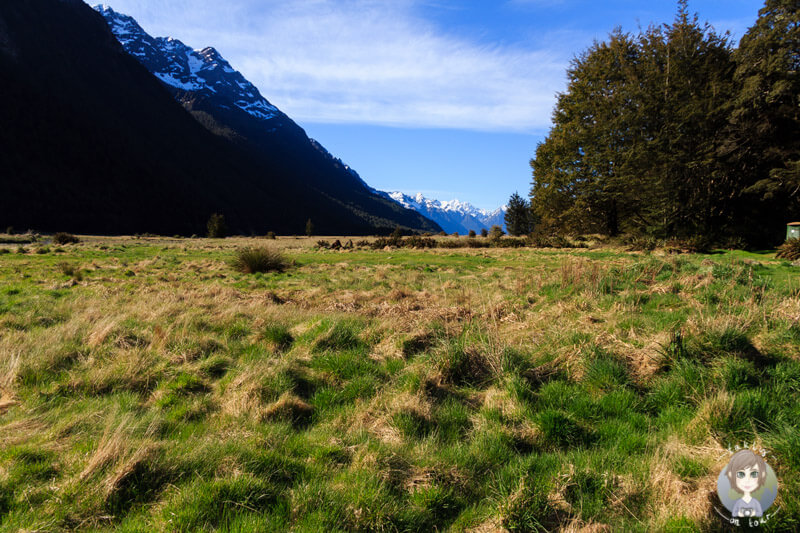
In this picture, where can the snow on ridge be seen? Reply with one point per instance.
(452, 215)
(183, 68)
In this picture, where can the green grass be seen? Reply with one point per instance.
(147, 384)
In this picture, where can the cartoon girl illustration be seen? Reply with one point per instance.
(746, 472)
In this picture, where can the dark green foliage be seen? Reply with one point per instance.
(672, 134)
(789, 250)
(309, 228)
(252, 260)
(763, 140)
(518, 216)
(217, 228)
(471, 234)
(484, 232)
(65, 238)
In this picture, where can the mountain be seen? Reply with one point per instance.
(229, 105)
(92, 142)
(452, 216)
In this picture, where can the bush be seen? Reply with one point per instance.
(789, 250)
(270, 235)
(496, 232)
(70, 270)
(10, 230)
(65, 238)
(484, 232)
(252, 260)
(217, 228)
(471, 234)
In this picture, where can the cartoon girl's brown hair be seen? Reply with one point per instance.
(746, 459)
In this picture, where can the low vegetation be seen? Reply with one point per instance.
(789, 250)
(252, 260)
(150, 385)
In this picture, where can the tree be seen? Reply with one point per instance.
(484, 232)
(471, 234)
(634, 135)
(309, 228)
(763, 141)
(518, 216)
(496, 232)
(216, 226)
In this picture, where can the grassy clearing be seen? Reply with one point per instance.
(146, 384)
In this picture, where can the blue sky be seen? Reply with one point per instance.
(445, 97)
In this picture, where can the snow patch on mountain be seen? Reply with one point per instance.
(183, 68)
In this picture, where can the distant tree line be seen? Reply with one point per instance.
(674, 132)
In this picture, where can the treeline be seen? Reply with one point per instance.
(674, 132)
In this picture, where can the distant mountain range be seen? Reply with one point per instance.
(452, 216)
(122, 133)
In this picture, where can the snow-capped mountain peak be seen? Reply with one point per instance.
(452, 215)
(203, 71)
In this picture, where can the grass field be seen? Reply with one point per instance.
(146, 385)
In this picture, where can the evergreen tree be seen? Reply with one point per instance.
(518, 216)
(634, 136)
(763, 142)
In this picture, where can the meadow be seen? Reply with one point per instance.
(147, 385)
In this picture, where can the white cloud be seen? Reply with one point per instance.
(366, 61)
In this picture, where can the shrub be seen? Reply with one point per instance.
(70, 270)
(10, 230)
(217, 228)
(496, 232)
(484, 232)
(789, 250)
(471, 233)
(65, 238)
(252, 260)
(270, 235)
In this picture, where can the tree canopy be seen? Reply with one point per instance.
(675, 133)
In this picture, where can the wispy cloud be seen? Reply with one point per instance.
(367, 61)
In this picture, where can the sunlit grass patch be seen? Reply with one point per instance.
(399, 390)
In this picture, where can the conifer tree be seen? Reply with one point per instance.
(763, 142)
(518, 216)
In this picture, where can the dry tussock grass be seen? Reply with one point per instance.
(288, 408)
(678, 497)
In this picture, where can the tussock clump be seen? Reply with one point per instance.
(417, 344)
(342, 336)
(278, 336)
(252, 260)
(65, 238)
(289, 408)
(464, 366)
(789, 250)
